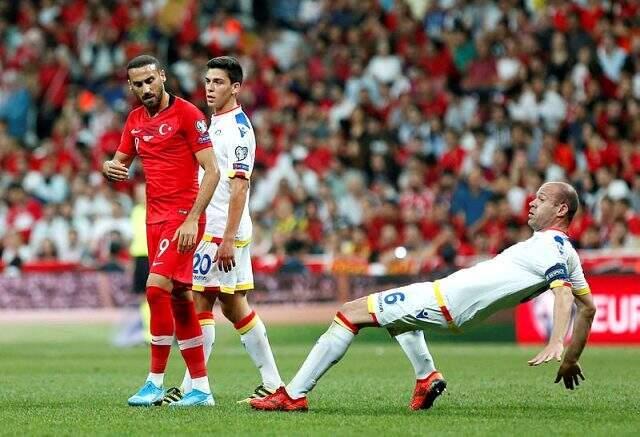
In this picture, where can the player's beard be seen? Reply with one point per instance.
(152, 102)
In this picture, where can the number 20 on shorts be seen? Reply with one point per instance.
(201, 264)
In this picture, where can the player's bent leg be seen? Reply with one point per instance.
(415, 347)
(189, 336)
(162, 327)
(401, 311)
(253, 336)
(327, 351)
(357, 312)
(429, 382)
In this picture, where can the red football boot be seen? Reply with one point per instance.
(279, 401)
(427, 390)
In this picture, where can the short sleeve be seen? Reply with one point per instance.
(242, 152)
(194, 127)
(549, 259)
(578, 281)
(127, 141)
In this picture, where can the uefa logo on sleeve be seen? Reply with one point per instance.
(201, 126)
(241, 152)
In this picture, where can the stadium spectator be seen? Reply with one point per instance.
(611, 58)
(74, 251)
(470, 198)
(113, 264)
(515, 92)
(23, 211)
(49, 227)
(292, 263)
(15, 103)
(47, 251)
(45, 185)
(14, 252)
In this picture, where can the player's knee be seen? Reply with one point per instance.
(155, 280)
(356, 311)
(235, 307)
(346, 308)
(229, 313)
(203, 301)
(156, 294)
(350, 307)
(225, 307)
(181, 292)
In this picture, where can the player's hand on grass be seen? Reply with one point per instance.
(569, 373)
(550, 352)
(186, 235)
(114, 170)
(225, 256)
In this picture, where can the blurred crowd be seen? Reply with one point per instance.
(406, 133)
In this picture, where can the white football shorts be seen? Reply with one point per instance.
(414, 306)
(207, 277)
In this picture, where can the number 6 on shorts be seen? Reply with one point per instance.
(392, 298)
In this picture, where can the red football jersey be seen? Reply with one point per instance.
(166, 144)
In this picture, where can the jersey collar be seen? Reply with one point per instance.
(172, 99)
(552, 228)
(228, 111)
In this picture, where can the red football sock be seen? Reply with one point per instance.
(246, 323)
(189, 335)
(161, 327)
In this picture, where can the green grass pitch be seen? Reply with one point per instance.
(68, 380)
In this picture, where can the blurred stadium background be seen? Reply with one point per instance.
(398, 140)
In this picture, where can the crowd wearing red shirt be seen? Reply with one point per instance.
(403, 132)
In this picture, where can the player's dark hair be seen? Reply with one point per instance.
(228, 64)
(143, 61)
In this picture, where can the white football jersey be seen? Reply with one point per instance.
(519, 273)
(234, 146)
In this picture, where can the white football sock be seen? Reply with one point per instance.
(201, 384)
(415, 347)
(208, 338)
(256, 343)
(328, 350)
(156, 378)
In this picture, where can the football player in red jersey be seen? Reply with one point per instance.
(170, 136)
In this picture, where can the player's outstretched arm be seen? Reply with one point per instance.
(187, 233)
(118, 168)
(563, 301)
(570, 370)
(225, 256)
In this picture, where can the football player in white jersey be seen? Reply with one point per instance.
(222, 262)
(545, 261)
